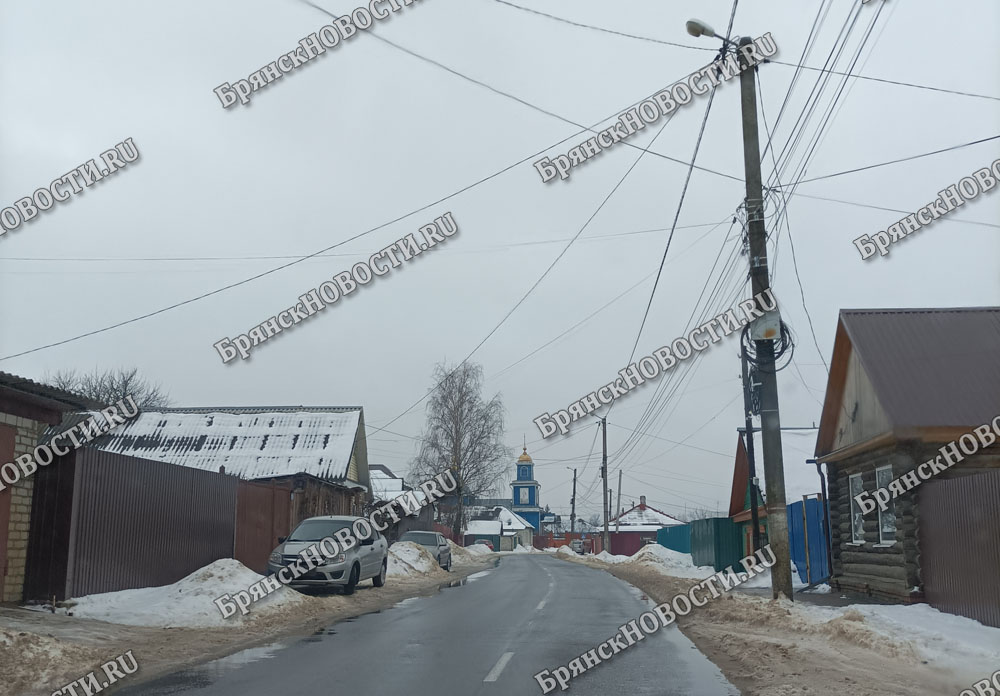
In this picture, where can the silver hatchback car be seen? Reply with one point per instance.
(368, 559)
(435, 544)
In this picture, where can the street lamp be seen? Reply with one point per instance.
(696, 28)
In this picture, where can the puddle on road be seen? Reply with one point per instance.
(205, 675)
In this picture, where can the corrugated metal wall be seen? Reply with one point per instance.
(49, 538)
(140, 523)
(716, 542)
(677, 537)
(131, 523)
(959, 537)
(262, 515)
(811, 532)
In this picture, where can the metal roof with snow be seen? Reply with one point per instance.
(251, 442)
(642, 518)
(385, 486)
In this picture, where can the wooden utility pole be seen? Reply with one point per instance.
(770, 423)
(618, 507)
(572, 502)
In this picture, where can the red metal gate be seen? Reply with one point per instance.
(262, 515)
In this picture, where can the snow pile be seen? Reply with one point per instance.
(409, 559)
(611, 558)
(478, 549)
(670, 562)
(187, 602)
(551, 549)
(952, 642)
(31, 660)
(460, 554)
(525, 549)
(566, 550)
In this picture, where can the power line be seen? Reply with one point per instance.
(675, 442)
(790, 194)
(545, 273)
(897, 161)
(342, 255)
(776, 62)
(308, 256)
(788, 229)
(677, 214)
(509, 95)
(599, 310)
(602, 29)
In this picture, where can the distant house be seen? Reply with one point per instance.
(515, 526)
(632, 529)
(740, 511)
(385, 486)
(514, 530)
(27, 408)
(903, 383)
(321, 451)
(490, 530)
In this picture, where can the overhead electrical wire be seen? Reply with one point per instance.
(555, 261)
(296, 261)
(514, 97)
(897, 161)
(604, 30)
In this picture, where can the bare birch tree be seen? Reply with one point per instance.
(465, 433)
(109, 386)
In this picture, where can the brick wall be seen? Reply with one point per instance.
(28, 432)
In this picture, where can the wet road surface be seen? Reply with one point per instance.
(486, 637)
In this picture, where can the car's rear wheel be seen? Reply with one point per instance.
(379, 580)
(352, 581)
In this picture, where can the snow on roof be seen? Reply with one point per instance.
(385, 487)
(511, 520)
(643, 518)
(483, 527)
(251, 443)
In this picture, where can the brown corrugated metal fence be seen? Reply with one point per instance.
(131, 523)
(959, 536)
(262, 515)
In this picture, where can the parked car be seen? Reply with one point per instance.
(576, 545)
(485, 542)
(435, 544)
(368, 559)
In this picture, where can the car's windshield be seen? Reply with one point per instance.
(315, 530)
(422, 538)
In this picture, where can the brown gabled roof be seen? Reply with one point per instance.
(930, 368)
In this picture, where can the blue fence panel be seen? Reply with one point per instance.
(818, 565)
(677, 537)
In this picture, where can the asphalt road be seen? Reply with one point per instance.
(484, 638)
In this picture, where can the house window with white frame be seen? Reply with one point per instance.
(887, 517)
(857, 519)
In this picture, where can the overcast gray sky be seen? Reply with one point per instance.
(368, 133)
